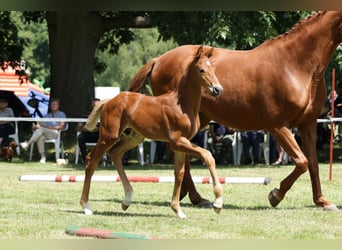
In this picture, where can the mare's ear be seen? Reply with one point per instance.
(211, 51)
(199, 52)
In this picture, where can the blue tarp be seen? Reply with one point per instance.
(43, 102)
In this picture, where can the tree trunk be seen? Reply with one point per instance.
(73, 38)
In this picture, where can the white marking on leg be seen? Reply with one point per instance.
(86, 209)
(180, 214)
(218, 202)
(128, 198)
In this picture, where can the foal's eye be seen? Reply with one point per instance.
(202, 71)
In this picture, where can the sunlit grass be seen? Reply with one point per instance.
(43, 210)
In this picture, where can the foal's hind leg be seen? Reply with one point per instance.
(127, 142)
(92, 161)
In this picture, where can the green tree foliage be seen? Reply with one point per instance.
(230, 29)
(121, 67)
(11, 45)
(74, 38)
(36, 53)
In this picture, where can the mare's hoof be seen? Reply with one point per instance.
(272, 197)
(204, 204)
(331, 207)
(124, 207)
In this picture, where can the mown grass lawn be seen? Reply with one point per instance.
(43, 210)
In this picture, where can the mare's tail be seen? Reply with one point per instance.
(139, 81)
(95, 115)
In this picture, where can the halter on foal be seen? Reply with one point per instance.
(172, 118)
(275, 87)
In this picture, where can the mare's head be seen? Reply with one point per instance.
(206, 71)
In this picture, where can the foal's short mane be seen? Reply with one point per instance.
(298, 26)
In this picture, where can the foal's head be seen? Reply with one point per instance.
(208, 78)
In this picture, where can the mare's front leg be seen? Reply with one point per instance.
(185, 146)
(92, 161)
(285, 138)
(308, 137)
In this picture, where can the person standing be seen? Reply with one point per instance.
(251, 139)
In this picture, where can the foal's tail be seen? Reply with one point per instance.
(139, 81)
(95, 115)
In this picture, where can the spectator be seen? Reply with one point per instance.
(198, 139)
(219, 134)
(281, 154)
(85, 135)
(160, 151)
(6, 127)
(338, 110)
(251, 139)
(46, 130)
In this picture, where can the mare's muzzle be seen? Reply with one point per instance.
(216, 90)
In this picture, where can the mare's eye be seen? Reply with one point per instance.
(202, 71)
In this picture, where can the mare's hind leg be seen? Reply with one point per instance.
(185, 146)
(285, 138)
(308, 137)
(127, 142)
(92, 161)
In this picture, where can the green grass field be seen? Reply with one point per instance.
(43, 210)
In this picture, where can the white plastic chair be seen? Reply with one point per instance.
(265, 147)
(59, 147)
(88, 144)
(15, 136)
(140, 150)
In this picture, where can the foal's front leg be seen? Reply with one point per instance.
(189, 148)
(179, 159)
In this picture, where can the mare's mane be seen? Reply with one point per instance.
(297, 27)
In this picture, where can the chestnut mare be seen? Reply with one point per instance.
(275, 87)
(172, 118)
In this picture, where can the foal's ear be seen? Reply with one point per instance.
(199, 52)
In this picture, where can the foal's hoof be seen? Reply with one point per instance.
(217, 209)
(331, 207)
(272, 197)
(218, 204)
(180, 214)
(86, 209)
(124, 207)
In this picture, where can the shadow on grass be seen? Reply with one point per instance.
(187, 204)
(118, 214)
